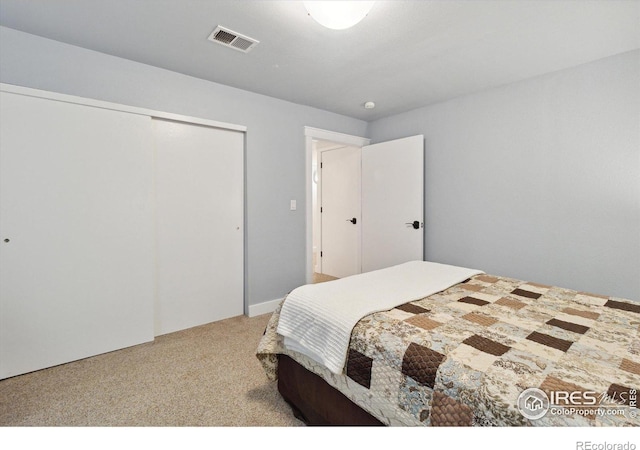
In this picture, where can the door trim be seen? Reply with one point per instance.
(310, 134)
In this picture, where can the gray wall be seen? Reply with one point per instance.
(275, 145)
(538, 180)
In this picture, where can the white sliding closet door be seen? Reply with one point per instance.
(199, 210)
(76, 246)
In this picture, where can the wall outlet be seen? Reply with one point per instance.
(293, 205)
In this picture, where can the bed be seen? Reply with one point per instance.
(428, 344)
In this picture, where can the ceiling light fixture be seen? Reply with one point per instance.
(369, 105)
(338, 15)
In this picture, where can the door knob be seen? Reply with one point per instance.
(415, 224)
(353, 221)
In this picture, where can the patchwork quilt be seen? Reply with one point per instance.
(492, 351)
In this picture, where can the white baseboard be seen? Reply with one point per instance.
(264, 307)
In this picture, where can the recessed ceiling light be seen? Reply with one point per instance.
(369, 105)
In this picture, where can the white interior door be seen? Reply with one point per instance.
(76, 247)
(392, 202)
(341, 211)
(199, 210)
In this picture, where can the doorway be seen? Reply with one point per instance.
(317, 142)
(392, 199)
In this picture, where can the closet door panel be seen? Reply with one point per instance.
(200, 198)
(76, 232)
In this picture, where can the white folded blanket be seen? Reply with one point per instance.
(317, 319)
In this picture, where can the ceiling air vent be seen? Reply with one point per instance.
(232, 39)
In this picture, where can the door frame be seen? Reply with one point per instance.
(310, 134)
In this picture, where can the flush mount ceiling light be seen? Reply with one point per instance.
(338, 15)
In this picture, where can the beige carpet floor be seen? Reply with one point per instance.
(321, 277)
(204, 376)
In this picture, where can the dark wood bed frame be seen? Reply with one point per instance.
(314, 401)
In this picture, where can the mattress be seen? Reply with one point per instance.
(489, 351)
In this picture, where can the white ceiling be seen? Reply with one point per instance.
(403, 55)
